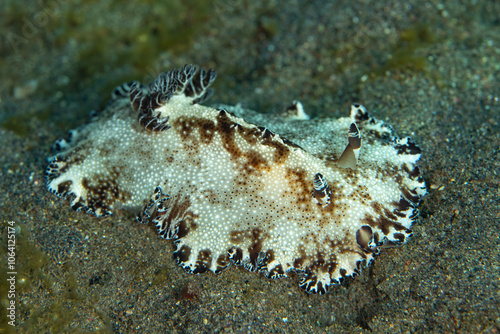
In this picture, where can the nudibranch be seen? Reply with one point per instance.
(320, 199)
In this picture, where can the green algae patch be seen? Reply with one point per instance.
(17, 122)
(410, 50)
(409, 53)
(160, 27)
(29, 261)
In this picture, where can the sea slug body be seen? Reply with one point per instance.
(320, 199)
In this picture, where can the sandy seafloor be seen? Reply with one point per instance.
(431, 69)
